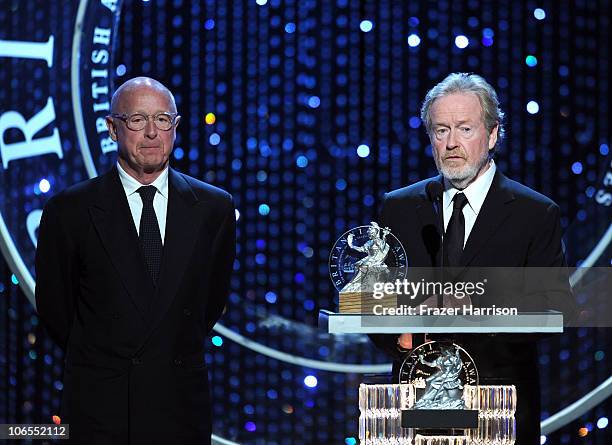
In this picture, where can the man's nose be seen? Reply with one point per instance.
(150, 128)
(451, 141)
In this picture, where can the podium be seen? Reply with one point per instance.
(547, 322)
(387, 412)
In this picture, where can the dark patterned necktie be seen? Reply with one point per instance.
(150, 237)
(455, 232)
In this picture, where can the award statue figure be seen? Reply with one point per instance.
(372, 267)
(444, 388)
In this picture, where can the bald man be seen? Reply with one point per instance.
(133, 271)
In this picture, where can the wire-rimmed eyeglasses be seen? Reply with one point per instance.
(137, 121)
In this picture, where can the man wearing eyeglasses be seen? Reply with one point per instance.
(133, 271)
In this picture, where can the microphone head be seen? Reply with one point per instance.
(434, 190)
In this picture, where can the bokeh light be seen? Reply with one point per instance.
(414, 40)
(461, 41)
(366, 25)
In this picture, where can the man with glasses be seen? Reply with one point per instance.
(133, 271)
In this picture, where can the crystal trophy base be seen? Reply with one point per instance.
(440, 418)
(383, 407)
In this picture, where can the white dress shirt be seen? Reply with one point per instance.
(475, 193)
(160, 200)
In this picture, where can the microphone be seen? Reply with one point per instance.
(434, 192)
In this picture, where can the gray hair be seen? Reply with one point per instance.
(492, 114)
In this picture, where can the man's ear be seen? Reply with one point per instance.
(493, 137)
(176, 121)
(112, 130)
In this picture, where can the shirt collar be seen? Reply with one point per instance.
(131, 185)
(476, 192)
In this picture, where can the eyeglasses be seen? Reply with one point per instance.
(137, 121)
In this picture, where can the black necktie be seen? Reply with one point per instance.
(150, 237)
(455, 232)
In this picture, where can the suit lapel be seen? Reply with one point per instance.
(113, 221)
(184, 217)
(494, 211)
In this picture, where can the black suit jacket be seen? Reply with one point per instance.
(516, 227)
(134, 352)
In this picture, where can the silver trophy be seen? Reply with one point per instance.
(371, 268)
(444, 387)
(360, 259)
(440, 372)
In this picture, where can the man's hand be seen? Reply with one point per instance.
(404, 341)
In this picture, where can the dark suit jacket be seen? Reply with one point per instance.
(516, 227)
(134, 353)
